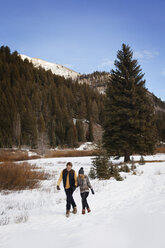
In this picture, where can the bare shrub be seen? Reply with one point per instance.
(114, 172)
(70, 153)
(141, 161)
(4, 220)
(15, 155)
(92, 173)
(134, 173)
(139, 173)
(160, 149)
(22, 218)
(20, 176)
(124, 168)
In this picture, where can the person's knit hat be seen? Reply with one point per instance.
(81, 171)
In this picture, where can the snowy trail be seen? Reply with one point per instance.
(124, 214)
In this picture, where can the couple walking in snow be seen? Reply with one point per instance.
(70, 183)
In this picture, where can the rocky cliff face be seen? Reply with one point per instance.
(97, 80)
(158, 103)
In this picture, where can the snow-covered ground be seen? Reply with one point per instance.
(125, 214)
(87, 146)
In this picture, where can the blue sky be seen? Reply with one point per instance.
(86, 35)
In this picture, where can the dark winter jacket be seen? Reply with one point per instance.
(72, 182)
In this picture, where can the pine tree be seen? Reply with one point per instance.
(70, 136)
(95, 111)
(89, 135)
(130, 125)
(52, 134)
(41, 124)
(34, 137)
(17, 129)
(80, 131)
(101, 167)
(42, 129)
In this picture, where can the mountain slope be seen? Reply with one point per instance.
(96, 80)
(55, 68)
(37, 107)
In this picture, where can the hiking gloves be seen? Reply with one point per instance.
(58, 188)
(92, 191)
(73, 188)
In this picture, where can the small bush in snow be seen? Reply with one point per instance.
(92, 173)
(133, 167)
(142, 161)
(102, 168)
(118, 177)
(101, 165)
(114, 172)
(124, 168)
(22, 218)
(4, 220)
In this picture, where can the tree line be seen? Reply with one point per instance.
(39, 108)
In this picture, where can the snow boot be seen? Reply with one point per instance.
(75, 210)
(67, 213)
(88, 210)
(83, 211)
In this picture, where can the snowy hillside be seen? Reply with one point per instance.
(125, 214)
(55, 68)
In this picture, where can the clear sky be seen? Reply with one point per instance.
(85, 35)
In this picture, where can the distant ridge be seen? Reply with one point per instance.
(55, 68)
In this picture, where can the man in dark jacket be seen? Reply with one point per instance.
(69, 178)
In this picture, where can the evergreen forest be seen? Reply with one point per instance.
(38, 108)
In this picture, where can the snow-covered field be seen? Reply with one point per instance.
(125, 214)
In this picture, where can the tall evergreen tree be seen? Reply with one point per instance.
(90, 131)
(17, 129)
(52, 134)
(95, 111)
(130, 124)
(42, 129)
(70, 136)
(80, 131)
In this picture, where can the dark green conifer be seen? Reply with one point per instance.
(90, 131)
(30, 91)
(130, 124)
(52, 134)
(80, 131)
(101, 167)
